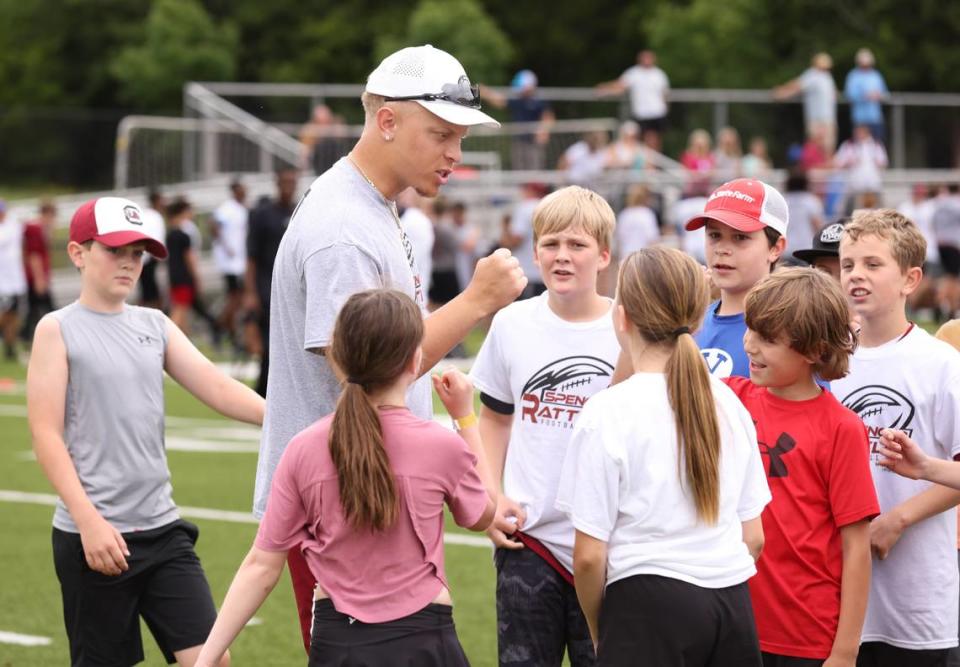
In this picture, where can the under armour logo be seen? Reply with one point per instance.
(785, 443)
(145, 340)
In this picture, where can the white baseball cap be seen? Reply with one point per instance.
(433, 79)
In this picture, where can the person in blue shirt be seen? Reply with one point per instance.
(746, 228)
(865, 89)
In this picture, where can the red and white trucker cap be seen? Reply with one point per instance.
(745, 204)
(115, 222)
(432, 78)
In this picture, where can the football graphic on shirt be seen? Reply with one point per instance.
(555, 394)
(881, 407)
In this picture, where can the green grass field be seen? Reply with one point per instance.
(29, 592)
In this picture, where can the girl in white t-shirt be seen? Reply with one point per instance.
(664, 485)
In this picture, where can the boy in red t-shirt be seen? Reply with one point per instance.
(810, 592)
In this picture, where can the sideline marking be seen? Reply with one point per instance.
(23, 640)
(218, 515)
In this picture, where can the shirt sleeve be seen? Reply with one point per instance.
(589, 490)
(284, 524)
(850, 487)
(467, 498)
(331, 276)
(491, 373)
(32, 240)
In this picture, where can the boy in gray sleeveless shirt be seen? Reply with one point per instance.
(96, 412)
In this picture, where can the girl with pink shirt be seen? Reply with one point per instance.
(362, 492)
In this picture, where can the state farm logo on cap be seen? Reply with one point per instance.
(132, 214)
(745, 204)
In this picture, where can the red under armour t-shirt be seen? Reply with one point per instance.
(817, 460)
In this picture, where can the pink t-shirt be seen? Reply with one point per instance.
(375, 576)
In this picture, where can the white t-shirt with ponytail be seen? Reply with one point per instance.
(621, 484)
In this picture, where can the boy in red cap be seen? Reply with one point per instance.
(746, 228)
(96, 412)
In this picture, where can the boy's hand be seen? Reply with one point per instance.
(885, 531)
(103, 547)
(497, 281)
(902, 455)
(508, 519)
(455, 391)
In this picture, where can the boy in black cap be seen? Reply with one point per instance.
(824, 255)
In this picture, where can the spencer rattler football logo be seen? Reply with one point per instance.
(881, 407)
(556, 393)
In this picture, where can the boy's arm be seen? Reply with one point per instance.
(197, 374)
(103, 546)
(257, 576)
(887, 528)
(495, 436)
(590, 573)
(497, 281)
(854, 588)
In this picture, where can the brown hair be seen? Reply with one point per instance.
(664, 294)
(574, 207)
(808, 309)
(907, 244)
(376, 335)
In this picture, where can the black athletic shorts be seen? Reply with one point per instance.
(233, 283)
(950, 259)
(672, 622)
(658, 125)
(880, 654)
(774, 660)
(165, 585)
(426, 638)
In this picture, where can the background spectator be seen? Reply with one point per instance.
(13, 281)
(805, 214)
(36, 264)
(266, 226)
(637, 226)
(229, 230)
(648, 87)
(698, 161)
(527, 150)
(726, 157)
(819, 99)
(153, 215)
(416, 218)
(865, 89)
(756, 163)
(864, 159)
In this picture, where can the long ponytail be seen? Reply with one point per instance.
(376, 335)
(665, 294)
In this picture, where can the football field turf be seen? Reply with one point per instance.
(213, 463)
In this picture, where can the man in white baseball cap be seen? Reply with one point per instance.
(345, 236)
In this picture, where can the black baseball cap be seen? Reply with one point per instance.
(826, 242)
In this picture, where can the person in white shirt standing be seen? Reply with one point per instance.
(648, 87)
(664, 484)
(13, 279)
(229, 231)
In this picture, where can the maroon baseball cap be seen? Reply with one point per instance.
(115, 222)
(745, 204)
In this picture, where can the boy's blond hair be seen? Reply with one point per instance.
(808, 309)
(574, 207)
(907, 244)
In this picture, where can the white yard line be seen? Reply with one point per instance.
(23, 640)
(215, 515)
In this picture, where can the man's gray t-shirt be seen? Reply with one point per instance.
(113, 415)
(343, 238)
